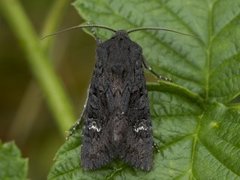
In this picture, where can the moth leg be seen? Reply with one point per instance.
(72, 130)
(154, 73)
(93, 31)
(76, 126)
(98, 40)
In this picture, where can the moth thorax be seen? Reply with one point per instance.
(118, 69)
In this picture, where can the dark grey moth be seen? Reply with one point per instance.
(117, 120)
(117, 123)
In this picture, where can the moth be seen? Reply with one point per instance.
(117, 122)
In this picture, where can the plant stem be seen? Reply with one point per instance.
(52, 20)
(32, 96)
(39, 63)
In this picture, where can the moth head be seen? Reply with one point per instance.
(121, 33)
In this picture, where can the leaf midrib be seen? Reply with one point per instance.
(195, 139)
(209, 48)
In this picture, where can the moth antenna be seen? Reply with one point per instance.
(79, 27)
(157, 28)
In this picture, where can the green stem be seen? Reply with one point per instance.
(163, 86)
(235, 106)
(52, 20)
(39, 63)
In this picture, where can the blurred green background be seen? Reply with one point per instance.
(24, 114)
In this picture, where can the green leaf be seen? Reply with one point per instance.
(12, 165)
(195, 126)
(196, 144)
